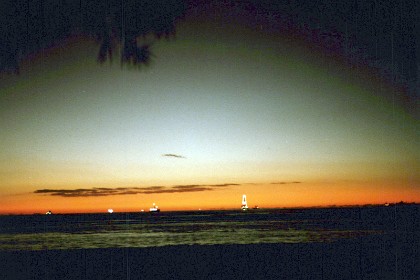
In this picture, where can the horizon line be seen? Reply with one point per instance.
(386, 204)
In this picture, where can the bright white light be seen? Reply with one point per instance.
(110, 210)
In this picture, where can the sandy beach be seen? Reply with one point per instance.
(375, 257)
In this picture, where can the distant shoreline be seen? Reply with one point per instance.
(230, 209)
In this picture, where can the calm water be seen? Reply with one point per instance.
(41, 232)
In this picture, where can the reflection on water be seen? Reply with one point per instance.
(36, 232)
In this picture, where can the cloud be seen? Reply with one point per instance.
(180, 190)
(83, 192)
(224, 185)
(142, 190)
(186, 186)
(130, 191)
(207, 187)
(173, 155)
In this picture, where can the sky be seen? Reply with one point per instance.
(224, 109)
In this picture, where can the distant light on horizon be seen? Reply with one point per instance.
(110, 211)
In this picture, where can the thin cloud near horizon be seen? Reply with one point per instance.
(131, 190)
(102, 191)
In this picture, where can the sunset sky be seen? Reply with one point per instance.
(224, 109)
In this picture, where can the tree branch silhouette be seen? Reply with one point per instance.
(29, 26)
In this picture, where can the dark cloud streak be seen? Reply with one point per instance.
(179, 190)
(173, 155)
(130, 191)
(224, 185)
(141, 190)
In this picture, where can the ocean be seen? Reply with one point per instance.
(259, 226)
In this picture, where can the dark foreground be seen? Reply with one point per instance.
(373, 257)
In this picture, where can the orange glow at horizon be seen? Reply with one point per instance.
(264, 196)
